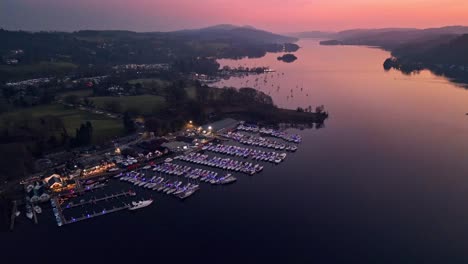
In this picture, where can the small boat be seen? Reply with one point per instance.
(29, 212)
(140, 204)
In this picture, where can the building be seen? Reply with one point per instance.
(221, 125)
(176, 146)
(53, 181)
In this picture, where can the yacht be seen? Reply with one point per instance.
(140, 204)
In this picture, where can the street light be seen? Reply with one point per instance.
(209, 128)
(190, 122)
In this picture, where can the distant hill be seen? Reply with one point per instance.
(227, 32)
(313, 34)
(22, 52)
(444, 51)
(450, 49)
(392, 38)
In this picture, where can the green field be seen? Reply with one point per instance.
(150, 81)
(42, 68)
(103, 127)
(80, 93)
(141, 104)
(191, 92)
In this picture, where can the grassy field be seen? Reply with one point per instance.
(149, 81)
(42, 68)
(142, 104)
(80, 93)
(103, 126)
(191, 92)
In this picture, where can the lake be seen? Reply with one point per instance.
(384, 181)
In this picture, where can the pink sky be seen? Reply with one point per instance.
(275, 15)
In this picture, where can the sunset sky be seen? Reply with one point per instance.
(274, 15)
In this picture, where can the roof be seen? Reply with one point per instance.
(226, 123)
(174, 145)
(53, 180)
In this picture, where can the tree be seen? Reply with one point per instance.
(84, 134)
(128, 122)
(176, 93)
(228, 95)
(88, 103)
(195, 111)
(71, 99)
(202, 93)
(152, 125)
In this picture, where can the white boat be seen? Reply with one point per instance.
(168, 160)
(29, 212)
(140, 204)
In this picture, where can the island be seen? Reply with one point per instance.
(287, 58)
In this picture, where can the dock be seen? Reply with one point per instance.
(35, 216)
(105, 198)
(58, 213)
(61, 220)
(13, 215)
(89, 216)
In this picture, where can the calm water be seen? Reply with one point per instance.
(385, 181)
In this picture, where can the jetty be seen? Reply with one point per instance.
(93, 201)
(13, 215)
(96, 214)
(61, 220)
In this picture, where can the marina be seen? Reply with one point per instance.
(59, 208)
(273, 157)
(160, 184)
(95, 200)
(222, 163)
(295, 138)
(193, 173)
(96, 214)
(258, 141)
(96, 191)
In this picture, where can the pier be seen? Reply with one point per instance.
(58, 213)
(13, 215)
(35, 216)
(61, 218)
(105, 198)
(89, 216)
